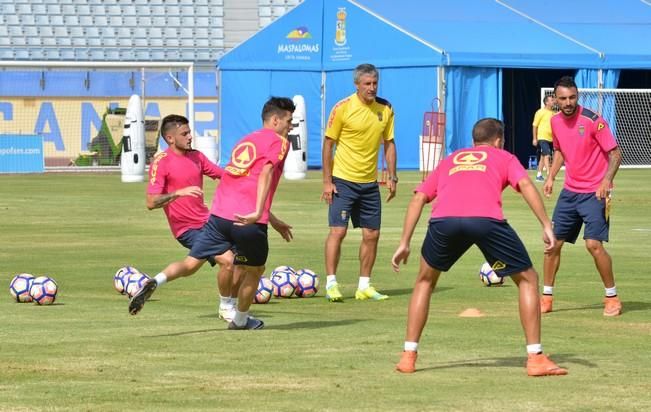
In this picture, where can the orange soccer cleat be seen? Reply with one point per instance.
(612, 306)
(407, 362)
(539, 364)
(546, 303)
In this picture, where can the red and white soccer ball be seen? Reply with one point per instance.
(19, 287)
(134, 282)
(307, 283)
(121, 276)
(284, 282)
(488, 276)
(43, 290)
(265, 289)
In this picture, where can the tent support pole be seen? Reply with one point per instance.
(441, 88)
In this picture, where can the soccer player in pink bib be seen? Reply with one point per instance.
(584, 143)
(466, 191)
(176, 185)
(240, 213)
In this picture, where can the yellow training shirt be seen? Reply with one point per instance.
(542, 120)
(358, 130)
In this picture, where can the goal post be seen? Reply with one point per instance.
(628, 113)
(75, 106)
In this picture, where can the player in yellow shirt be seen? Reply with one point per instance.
(542, 135)
(356, 128)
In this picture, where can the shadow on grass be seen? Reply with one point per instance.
(399, 292)
(563, 360)
(627, 307)
(289, 326)
(315, 324)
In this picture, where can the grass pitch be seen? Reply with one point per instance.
(86, 353)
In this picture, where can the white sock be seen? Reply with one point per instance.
(225, 302)
(240, 318)
(234, 302)
(610, 292)
(411, 346)
(330, 279)
(364, 282)
(548, 290)
(539, 174)
(534, 348)
(160, 279)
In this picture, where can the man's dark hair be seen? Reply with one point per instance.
(277, 106)
(486, 130)
(565, 81)
(172, 121)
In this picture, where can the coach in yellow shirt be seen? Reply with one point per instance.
(542, 135)
(356, 128)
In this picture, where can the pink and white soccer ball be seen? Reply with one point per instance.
(307, 283)
(264, 292)
(488, 276)
(284, 281)
(134, 283)
(121, 276)
(19, 287)
(43, 290)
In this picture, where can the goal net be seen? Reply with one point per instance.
(628, 113)
(78, 108)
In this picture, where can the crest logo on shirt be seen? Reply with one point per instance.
(379, 116)
(581, 130)
(600, 126)
(468, 160)
(242, 158)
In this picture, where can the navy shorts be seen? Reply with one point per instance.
(360, 202)
(545, 147)
(573, 210)
(187, 240)
(447, 239)
(219, 235)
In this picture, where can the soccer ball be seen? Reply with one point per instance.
(265, 289)
(43, 290)
(488, 276)
(134, 283)
(308, 283)
(19, 287)
(283, 281)
(121, 276)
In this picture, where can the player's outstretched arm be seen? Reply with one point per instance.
(418, 201)
(553, 170)
(281, 227)
(157, 201)
(329, 188)
(264, 183)
(614, 160)
(533, 199)
(390, 157)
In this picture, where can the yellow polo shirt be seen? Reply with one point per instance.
(358, 130)
(542, 120)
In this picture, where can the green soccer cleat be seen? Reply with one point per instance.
(370, 293)
(333, 294)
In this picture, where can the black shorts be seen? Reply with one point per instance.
(447, 239)
(188, 238)
(359, 202)
(573, 210)
(545, 147)
(219, 235)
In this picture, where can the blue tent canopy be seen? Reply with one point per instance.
(453, 50)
